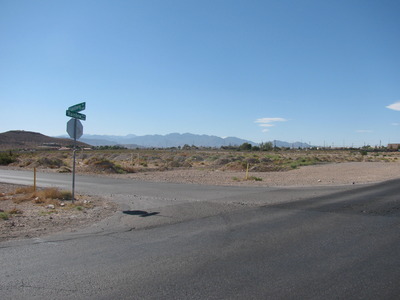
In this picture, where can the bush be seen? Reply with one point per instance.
(51, 163)
(6, 158)
(245, 147)
(254, 178)
(105, 165)
(4, 215)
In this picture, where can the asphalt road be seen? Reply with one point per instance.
(206, 242)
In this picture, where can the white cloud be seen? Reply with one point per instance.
(270, 120)
(394, 106)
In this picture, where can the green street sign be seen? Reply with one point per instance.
(77, 107)
(75, 115)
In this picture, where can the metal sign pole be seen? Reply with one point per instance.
(73, 165)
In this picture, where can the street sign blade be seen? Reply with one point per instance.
(75, 115)
(77, 107)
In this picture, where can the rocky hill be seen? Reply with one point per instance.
(19, 139)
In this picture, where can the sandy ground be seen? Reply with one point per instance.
(35, 220)
(325, 174)
(29, 220)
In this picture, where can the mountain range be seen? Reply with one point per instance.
(176, 140)
(163, 141)
(19, 139)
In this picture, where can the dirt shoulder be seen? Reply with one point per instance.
(28, 219)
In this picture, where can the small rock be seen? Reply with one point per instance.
(319, 180)
(51, 206)
(62, 204)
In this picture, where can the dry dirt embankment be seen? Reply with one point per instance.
(24, 214)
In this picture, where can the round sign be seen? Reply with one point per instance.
(74, 133)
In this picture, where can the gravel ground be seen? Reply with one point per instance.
(325, 174)
(29, 220)
(36, 220)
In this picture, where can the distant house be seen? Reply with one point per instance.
(393, 147)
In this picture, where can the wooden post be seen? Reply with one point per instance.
(34, 179)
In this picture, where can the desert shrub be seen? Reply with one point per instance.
(180, 158)
(53, 193)
(129, 169)
(213, 157)
(4, 215)
(196, 158)
(15, 211)
(254, 178)
(64, 169)
(252, 160)
(236, 166)
(265, 160)
(266, 168)
(303, 161)
(48, 162)
(174, 164)
(24, 190)
(187, 164)
(6, 158)
(104, 165)
(222, 161)
(245, 147)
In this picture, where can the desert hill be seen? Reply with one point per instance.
(19, 139)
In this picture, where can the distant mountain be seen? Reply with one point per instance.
(295, 145)
(175, 140)
(163, 141)
(98, 142)
(19, 139)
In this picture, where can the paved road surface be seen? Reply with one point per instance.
(243, 243)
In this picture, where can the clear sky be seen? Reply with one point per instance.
(324, 72)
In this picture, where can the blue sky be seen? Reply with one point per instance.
(324, 72)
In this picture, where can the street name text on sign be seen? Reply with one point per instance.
(77, 107)
(75, 115)
(73, 111)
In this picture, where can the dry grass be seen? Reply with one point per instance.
(145, 160)
(24, 190)
(41, 196)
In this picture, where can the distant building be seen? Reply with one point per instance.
(393, 147)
